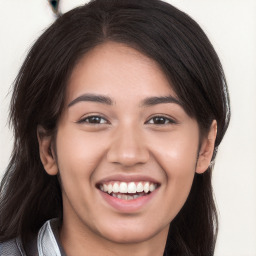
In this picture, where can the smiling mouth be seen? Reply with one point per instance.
(128, 190)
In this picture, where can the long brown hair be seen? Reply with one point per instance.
(29, 196)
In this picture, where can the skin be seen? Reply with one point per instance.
(126, 142)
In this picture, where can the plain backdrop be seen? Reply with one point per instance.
(231, 27)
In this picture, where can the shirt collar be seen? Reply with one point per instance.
(48, 239)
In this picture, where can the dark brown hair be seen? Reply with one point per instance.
(29, 196)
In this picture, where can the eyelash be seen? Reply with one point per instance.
(169, 120)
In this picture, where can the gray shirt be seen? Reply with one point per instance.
(45, 244)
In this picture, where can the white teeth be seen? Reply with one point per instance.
(105, 187)
(109, 188)
(140, 187)
(146, 187)
(136, 196)
(115, 187)
(131, 187)
(152, 187)
(125, 197)
(123, 187)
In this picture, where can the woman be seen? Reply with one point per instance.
(118, 111)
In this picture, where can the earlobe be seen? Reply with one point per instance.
(46, 151)
(206, 150)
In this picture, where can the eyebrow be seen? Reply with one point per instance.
(150, 101)
(92, 97)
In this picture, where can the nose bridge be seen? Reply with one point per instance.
(128, 146)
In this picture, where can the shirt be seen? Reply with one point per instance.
(45, 244)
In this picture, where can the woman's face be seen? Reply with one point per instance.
(123, 129)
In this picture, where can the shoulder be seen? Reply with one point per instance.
(12, 247)
(45, 243)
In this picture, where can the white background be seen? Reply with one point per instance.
(231, 27)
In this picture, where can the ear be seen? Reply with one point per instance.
(206, 150)
(46, 151)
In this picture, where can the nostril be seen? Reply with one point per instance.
(128, 159)
(128, 147)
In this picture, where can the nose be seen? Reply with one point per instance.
(128, 147)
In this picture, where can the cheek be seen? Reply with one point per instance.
(78, 157)
(78, 152)
(177, 156)
(176, 152)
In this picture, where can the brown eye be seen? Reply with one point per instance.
(93, 120)
(161, 120)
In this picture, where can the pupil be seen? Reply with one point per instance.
(159, 120)
(95, 119)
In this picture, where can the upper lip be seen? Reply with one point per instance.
(127, 178)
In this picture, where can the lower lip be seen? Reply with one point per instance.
(128, 206)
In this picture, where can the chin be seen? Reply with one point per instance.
(128, 237)
(131, 234)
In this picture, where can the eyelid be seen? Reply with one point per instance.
(170, 119)
(82, 120)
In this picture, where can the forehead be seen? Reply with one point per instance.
(119, 71)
